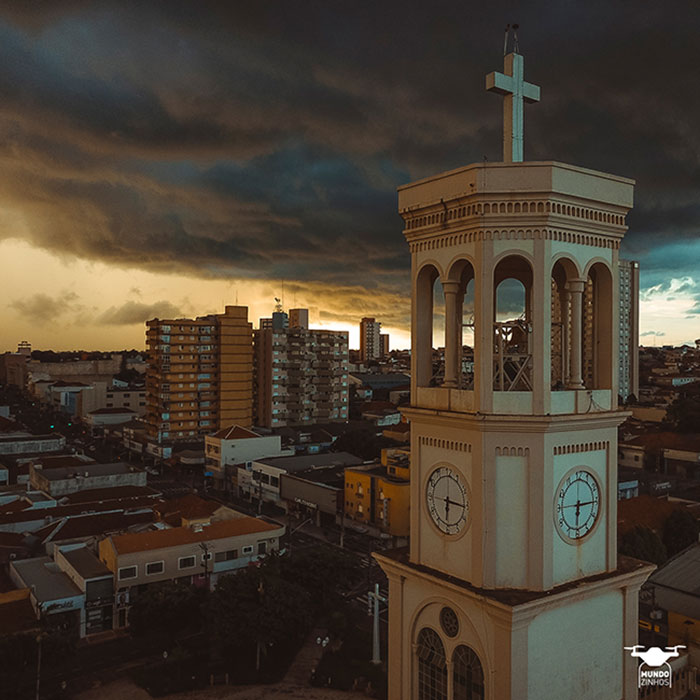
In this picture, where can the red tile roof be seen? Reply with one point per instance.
(644, 510)
(234, 432)
(176, 536)
(190, 506)
(92, 525)
(689, 442)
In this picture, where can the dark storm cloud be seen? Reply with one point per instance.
(43, 308)
(132, 312)
(267, 139)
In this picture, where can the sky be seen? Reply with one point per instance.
(168, 158)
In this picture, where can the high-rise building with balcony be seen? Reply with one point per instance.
(200, 374)
(301, 376)
(370, 340)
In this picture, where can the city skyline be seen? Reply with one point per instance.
(262, 155)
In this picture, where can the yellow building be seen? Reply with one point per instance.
(200, 374)
(377, 496)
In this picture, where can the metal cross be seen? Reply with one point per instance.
(511, 84)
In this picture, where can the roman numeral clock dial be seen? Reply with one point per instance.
(577, 504)
(447, 500)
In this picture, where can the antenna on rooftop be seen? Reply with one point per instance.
(278, 305)
(516, 48)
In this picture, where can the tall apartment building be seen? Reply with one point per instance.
(298, 318)
(370, 341)
(200, 374)
(629, 328)
(301, 376)
(384, 344)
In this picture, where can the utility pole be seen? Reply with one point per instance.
(204, 546)
(376, 655)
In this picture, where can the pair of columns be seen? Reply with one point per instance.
(454, 293)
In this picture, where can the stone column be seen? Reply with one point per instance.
(565, 302)
(452, 332)
(575, 288)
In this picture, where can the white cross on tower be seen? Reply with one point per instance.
(511, 84)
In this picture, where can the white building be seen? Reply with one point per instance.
(237, 445)
(261, 479)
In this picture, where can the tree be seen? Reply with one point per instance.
(681, 530)
(322, 572)
(256, 610)
(643, 543)
(168, 610)
(684, 414)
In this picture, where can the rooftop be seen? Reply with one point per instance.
(682, 572)
(644, 510)
(89, 470)
(234, 432)
(189, 506)
(316, 461)
(332, 477)
(30, 438)
(109, 494)
(45, 579)
(85, 563)
(688, 442)
(177, 536)
(52, 514)
(110, 411)
(60, 384)
(84, 525)
(59, 461)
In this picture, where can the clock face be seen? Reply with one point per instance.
(447, 500)
(577, 504)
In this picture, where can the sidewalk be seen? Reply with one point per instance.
(306, 660)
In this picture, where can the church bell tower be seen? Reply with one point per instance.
(512, 588)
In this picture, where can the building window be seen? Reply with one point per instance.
(262, 547)
(248, 549)
(274, 481)
(467, 674)
(155, 567)
(128, 572)
(432, 669)
(186, 562)
(226, 556)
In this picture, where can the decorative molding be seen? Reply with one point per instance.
(583, 447)
(442, 240)
(444, 444)
(447, 214)
(512, 451)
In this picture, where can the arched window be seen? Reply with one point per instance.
(467, 675)
(512, 326)
(432, 669)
